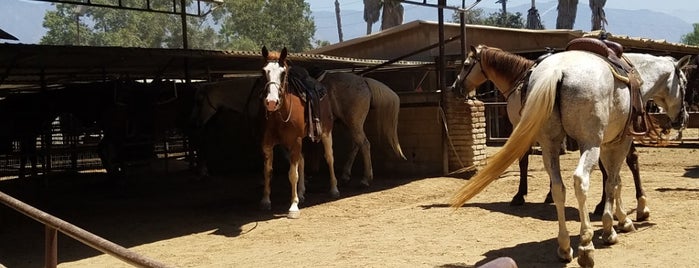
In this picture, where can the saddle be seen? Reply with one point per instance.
(638, 123)
(311, 92)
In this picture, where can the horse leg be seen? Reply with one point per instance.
(552, 165)
(642, 210)
(612, 159)
(302, 178)
(518, 199)
(268, 151)
(327, 140)
(581, 179)
(599, 209)
(295, 158)
(359, 142)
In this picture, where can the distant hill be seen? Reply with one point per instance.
(635, 23)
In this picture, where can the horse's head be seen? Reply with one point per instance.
(673, 101)
(274, 71)
(472, 74)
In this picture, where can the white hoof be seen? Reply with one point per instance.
(611, 238)
(294, 214)
(565, 256)
(586, 256)
(626, 226)
(642, 210)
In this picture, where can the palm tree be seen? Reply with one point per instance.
(533, 18)
(372, 11)
(339, 20)
(599, 20)
(392, 14)
(567, 10)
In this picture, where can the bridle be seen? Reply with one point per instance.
(282, 89)
(472, 60)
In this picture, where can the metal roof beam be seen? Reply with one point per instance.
(175, 8)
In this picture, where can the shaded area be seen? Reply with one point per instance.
(152, 207)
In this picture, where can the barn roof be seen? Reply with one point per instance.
(412, 36)
(29, 65)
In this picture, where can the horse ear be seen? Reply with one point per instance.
(683, 62)
(473, 50)
(282, 57)
(265, 52)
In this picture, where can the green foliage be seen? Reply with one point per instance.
(693, 37)
(475, 16)
(241, 25)
(250, 24)
(509, 20)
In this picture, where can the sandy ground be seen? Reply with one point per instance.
(398, 222)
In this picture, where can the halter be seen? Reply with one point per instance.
(282, 90)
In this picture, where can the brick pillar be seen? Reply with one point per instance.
(466, 136)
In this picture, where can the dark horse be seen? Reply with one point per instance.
(287, 122)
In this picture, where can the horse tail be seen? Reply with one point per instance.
(536, 111)
(387, 105)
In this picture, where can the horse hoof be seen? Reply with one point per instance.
(517, 200)
(642, 210)
(565, 255)
(334, 193)
(265, 205)
(586, 257)
(626, 226)
(364, 183)
(611, 238)
(294, 214)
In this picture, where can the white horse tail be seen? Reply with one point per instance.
(387, 105)
(536, 111)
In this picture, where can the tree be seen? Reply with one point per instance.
(533, 18)
(507, 20)
(473, 16)
(693, 37)
(567, 10)
(96, 26)
(392, 14)
(250, 24)
(372, 11)
(599, 20)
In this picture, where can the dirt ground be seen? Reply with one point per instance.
(398, 222)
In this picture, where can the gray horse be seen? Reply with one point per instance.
(576, 93)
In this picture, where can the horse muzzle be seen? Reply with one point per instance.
(272, 106)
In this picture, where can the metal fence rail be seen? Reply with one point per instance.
(53, 224)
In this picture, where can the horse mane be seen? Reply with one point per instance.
(505, 63)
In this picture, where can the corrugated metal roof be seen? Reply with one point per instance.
(22, 64)
(415, 35)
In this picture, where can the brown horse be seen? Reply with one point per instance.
(507, 71)
(286, 123)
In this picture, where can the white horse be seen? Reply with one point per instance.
(575, 93)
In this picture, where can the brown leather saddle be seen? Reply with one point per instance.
(638, 123)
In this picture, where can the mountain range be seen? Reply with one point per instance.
(635, 23)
